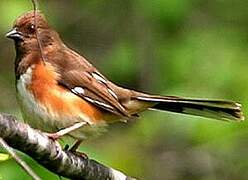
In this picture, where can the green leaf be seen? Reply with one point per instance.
(4, 157)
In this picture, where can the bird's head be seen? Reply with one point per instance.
(24, 32)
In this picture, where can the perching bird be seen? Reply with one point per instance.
(57, 88)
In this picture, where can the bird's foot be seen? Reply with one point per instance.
(74, 148)
(81, 154)
(53, 136)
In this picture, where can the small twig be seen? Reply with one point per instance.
(19, 160)
(66, 130)
(51, 155)
(35, 4)
(36, 7)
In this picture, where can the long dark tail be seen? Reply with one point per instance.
(216, 109)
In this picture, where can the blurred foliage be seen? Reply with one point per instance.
(4, 157)
(191, 48)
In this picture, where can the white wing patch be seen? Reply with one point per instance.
(99, 103)
(99, 77)
(78, 90)
(112, 93)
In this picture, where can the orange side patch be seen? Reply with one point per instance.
(57, 99)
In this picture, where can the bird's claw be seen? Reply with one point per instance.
(53, 136)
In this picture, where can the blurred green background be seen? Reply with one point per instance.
(192, 48)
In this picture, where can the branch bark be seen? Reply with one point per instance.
(22, 163)
(50, 154)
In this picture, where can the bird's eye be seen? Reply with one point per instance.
(32, 28)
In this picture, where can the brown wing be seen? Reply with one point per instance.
(85, 81)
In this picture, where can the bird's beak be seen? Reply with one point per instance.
(14, 34)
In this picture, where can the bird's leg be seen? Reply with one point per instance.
(66, 148)
(74, 147)
(57, 135)
(62, 132)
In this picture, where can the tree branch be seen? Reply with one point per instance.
(19, 160)
(49, 153)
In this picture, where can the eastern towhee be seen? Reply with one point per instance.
(60, 92)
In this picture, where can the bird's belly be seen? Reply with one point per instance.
(50, 114)
(37, 117)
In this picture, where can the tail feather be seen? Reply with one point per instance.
(217, 109)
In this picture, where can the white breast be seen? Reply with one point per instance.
(38, 117)
(33, 113)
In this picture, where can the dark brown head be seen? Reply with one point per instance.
(24, 32)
